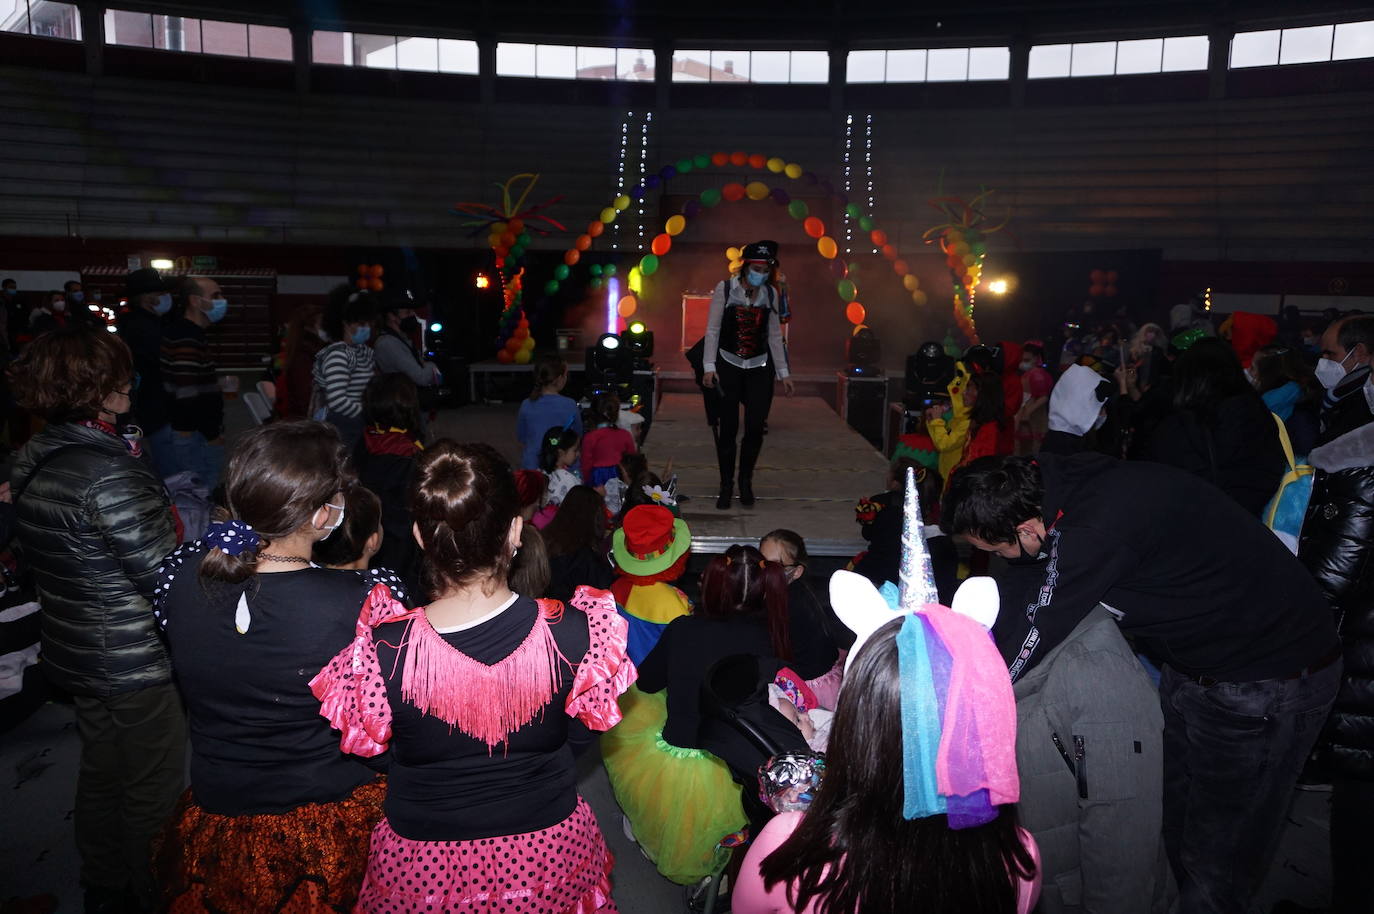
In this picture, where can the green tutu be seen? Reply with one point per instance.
(680, 802)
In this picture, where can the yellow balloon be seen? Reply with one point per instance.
(621, 202)
(910, 282)
(497, 228)
(776, 165)
(522, 356)
(756, 190)
(627, 305)
(736, 265)
(608, 215)
(918, 298)
(527, 343)
(733, 253)
(827, 247)
(675, 225)
(792, 170)
(636, 280)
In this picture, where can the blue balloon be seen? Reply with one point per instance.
(637, 193)
(651, 182)
(667, 172)
(692, 209)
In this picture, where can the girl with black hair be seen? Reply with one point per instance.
(558, 453)
(576, 541)
(385, 462)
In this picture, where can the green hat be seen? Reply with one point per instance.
(650, 540)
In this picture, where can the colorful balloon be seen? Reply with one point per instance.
(756, 190)
(571, 256)
(374, 285)
(854, 313)
(792, 170)
(583, 242)
(608, 215)
(702, 161)
(813, 227)
(621, 202)
(626, 306)
(596, 228)
(780, 196)
(733, 253)
(853, 211)
(551, 287)
(739, 159)
(609, 269)
(505, 357)
(827, 247)
(878, 236)
(866, 223)
(900, 267)
(757, 161)
(648, 264)
(561, 272)
(661, 245)
(910, 282)
(710, 197)
(775, 165)
(522, 357)
(847, 290)
(719, 159)
(798, 209)
(734, 191)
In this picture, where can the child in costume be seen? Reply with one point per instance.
(606, 443)
(927, 713)
(557, 458)
(651, 550)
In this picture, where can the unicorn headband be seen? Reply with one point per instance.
(958, 710)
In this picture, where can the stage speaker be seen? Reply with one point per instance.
(862, 402)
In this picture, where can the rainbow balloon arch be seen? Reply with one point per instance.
(733, 192)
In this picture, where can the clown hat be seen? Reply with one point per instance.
(650, 540)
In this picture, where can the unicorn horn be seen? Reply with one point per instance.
(916, 584)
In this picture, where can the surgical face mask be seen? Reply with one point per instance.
(322, 333)
(9, 291)
(218, 308)
(1330, 372)
(338, 523)
(97, 295)
(756, 278)
(1027, 366)
(362, 334)
(59, 305)
(77, 297)
(164, 304)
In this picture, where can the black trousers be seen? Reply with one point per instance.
(751, 388)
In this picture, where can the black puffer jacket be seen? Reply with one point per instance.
(94, 524)
(1337, 546)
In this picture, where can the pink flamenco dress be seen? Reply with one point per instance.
(482, 721)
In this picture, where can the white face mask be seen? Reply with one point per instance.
(338, 523)
(1330, 372)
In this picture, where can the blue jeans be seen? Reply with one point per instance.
(195, 453)
(1232, 755)
(161, 451)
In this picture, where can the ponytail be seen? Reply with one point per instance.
(232, 554)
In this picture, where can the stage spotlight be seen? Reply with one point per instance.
(998, 287)
(610, 366)
(639, 340)
(436, 327)
(483, 281)
(864, 353)
(161, 263)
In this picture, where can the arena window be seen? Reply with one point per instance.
(394, 52)
(1118, 58)
(38, 17)
(197, 36)
(565, 61)
(700, 66)
(916, 65)
(1305, 44)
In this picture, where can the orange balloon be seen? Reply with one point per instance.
(362, 282)
(505, 357)
(738, 159)
(879, 237)
(900, 267)
(571, 256)
(734, 191)
(827, 247)
(719, 159)
(583, 242)
(508, 239)
(596, 228)
(374, 285)
(814, 227)
(626, 306)
(516, 225)
(854, 313)
(661, 244)
(375, 271)
(757, 161)
(889, 252)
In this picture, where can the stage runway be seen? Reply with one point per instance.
(813, 468)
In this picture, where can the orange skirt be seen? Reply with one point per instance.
(311, 859)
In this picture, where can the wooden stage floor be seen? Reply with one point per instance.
(813, 468)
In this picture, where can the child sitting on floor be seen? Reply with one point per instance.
(605, 445)
(557, 455)
(631, 468)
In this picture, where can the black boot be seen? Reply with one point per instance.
(746, 492)
(727, 491)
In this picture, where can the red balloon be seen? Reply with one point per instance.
(900, 267)
(734, 191)
(1097, 276)
(508, 239)
(512, 344)
(362, 282)
(757, 161)
(1111, 277)
(879, 237)
(738, 159)
(1095, 290)
(570, 257)
(854, 312)
(516, 226)
(719, 159)
(1110, 291)
(375, 271)
(814, 226)
(889, 252)
(596, 228)
(374, 285)
(661, 244)
(583, 242)
(505, 357)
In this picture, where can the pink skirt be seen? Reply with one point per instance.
(562, 869)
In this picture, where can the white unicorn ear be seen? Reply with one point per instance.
(860, 607)
(979, 599)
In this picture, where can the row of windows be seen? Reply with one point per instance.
(1308, 44)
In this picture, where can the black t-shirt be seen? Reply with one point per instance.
(689, 647)
(258, 742)
(444, 785)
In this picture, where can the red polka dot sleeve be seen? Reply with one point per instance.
(350, 689)
(606, 671)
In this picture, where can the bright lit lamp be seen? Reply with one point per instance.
(483, 281)
(998, 287)
(161, 263)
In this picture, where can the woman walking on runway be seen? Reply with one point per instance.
(744, 351)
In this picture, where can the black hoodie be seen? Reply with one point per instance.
(1201, 583)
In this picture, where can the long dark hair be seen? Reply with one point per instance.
(1275, 365)
(277, 477)
(1206, 374)
(741, 581)
(362, 519)
(555, 440)
(463, 501)
(989, 405)
(854, 851)
(579, 523)
(392, 401)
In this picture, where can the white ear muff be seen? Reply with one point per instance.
(979, 599)
(860, 607)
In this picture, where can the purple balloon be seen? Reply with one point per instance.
(637, 193)
(809, 177)
(780, 196)
(667, 172)
(838, 268)
(692, 209)
(651, 182)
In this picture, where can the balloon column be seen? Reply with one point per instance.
(369, 277)
(508, 234)
(962, 240)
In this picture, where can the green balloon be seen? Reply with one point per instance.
(702, 161)
(798, 209)
(561, 272)
(594, 269)
(596, 282)
(866, 223)
(649, 264)
(978, 248)
(523, 239)
(551, 287)
(710, 196)
(515, 254)
(847, 290)
(684, 166)
(608, 269)
(852, 211)
(854, 267)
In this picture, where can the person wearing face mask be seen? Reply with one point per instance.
(1346, 348)
(743, 353)
(343, 369)
(190, 380)
(150, 301)
(249, 618)
(49, 316)
(95, 524)
(395, 350)
(1251, 662)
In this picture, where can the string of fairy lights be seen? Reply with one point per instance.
(852, 157)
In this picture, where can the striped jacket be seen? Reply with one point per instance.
(189, 379)
(342, 371)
